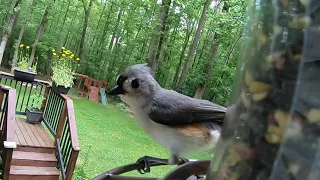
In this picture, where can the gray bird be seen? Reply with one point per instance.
(182, 124)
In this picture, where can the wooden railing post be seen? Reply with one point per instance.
(44, 102)
(72, 164)
(8, 131)
(62, 121)
(7, 164)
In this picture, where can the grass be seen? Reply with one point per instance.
(110, 138)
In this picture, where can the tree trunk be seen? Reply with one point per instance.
(134, 40)
(200, 91)
(208, 71)
(40, 32)
(85, 25)
(23, 27)
(157, 40)
(143, 51)
(115, 29)
(98, 24)
(8, 29)
(233, 47)
(193, 48)
(105, 30)
(63, 23)
(184, 48)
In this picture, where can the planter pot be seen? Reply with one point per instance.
(24, 76)
(59, 89)
(34, 115)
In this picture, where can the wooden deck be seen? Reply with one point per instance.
(32, 135)
(34, 157)
(30, 151)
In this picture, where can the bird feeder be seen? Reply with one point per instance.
(272, 127)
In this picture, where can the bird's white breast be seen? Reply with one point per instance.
(166, 136)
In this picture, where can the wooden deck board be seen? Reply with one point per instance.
(37, 135)
(32, 135)
(19, 136)
(44, 136)
(24, 133)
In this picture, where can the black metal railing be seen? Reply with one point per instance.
(24, 91)
(52, 112)
(66, 146)
(66, 139)
(60, 161)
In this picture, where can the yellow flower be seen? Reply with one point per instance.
(63, 48)
(21, 45)
(78, 59)
(54, 54)
(71, 57)
(28, 47)
(63, 55)
(53, 50)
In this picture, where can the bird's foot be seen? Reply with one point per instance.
(146, 161)
(183, 160)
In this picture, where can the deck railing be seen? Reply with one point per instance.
(8, 144)
(62, 125)
(58, 117)
(24, 91)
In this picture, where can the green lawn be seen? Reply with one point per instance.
(109, 138)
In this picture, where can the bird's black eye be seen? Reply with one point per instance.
(135, 83)
(121, 79)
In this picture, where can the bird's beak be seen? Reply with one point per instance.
(116, 91)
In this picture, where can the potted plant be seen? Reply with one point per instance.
(62, 70)
(33, 112)
(22, 71)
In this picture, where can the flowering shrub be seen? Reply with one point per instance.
(24, 55)
(63, 67)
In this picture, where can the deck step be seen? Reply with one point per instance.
(34, 173)
(20, 158)
(36, 149)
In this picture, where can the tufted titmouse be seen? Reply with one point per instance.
(182, 124)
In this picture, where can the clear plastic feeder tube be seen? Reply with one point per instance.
(272, 128)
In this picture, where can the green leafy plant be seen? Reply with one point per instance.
(36, 100)
(63, 67)
(23, 62)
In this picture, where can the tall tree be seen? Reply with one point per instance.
(208, 68)
(40, 32)
(194, 44)
(23, 27)
(98, 24)
(58, 42)
(182, 54)
(116, 29)
(87, 10)
(8, 29)
(157, 40)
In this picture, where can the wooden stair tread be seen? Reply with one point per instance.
(33, 170)
(20, 155)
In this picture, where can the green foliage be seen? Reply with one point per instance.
(63, 67)
(36, 100)
(23, 61)
(137, 25)
(121, 106)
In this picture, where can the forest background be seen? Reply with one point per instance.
(192, 45)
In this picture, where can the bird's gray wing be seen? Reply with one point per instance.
(174, 109)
